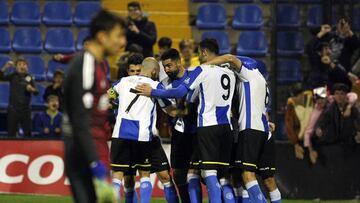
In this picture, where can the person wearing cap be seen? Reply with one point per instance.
(320, 99)
(187, 54)
(297, 115)
(340, 121)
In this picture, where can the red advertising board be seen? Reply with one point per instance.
(37, 167)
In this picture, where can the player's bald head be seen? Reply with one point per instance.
(151, 67)
(150, 63)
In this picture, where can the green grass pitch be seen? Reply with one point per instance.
(11, 198)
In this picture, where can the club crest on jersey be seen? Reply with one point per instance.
(187, 80)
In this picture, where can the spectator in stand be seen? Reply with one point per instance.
(56, 88)
(141, 31)
(320, 99)
(297, 115)
(325, 70)
(187, 54)
(61, 58)
(339, 123)
(343, 44)
(164, 44)
(124, 57)
(48, 123)
(22, 86)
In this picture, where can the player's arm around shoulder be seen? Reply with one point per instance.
(235, 63)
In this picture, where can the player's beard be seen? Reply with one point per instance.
(173, 75)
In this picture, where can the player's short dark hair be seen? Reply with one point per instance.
(296, 89)
(321, 46)
(165, 42)
(135, 4)
(104, 20)
(340, 87)
(172, 54)
(210, 44)
(135, 59)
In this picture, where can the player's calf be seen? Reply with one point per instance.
(169, 188)
(274, 193)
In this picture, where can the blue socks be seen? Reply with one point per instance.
(130, 195)
(275, 196)
(170, 193)
(255, 194)
(227, 191)
(194, 187)
(212, 185)
(145, 190)
(117, 186)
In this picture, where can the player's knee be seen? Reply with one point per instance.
(164, 176)
(270, 183)
(144, 174)
(248, 176)
(207, 173)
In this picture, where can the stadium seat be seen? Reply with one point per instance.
(36, 67)
(280, 133)
(288, 16)
(211, 16)
(252, 43)
(4, 95)
(4, 13)
(59, 40)
(221, 37)
(57, 14)
(25, 13)
(309, 1)
(240, 1)
(289, 71)
(37, 101)
(5, 44)
(315, 17)
(247, 17)
(84, 11)
(81, 36)
(52, 67)
(27, 40)
(356, 19)
(290, 43)
(261, 66)
(3, 60)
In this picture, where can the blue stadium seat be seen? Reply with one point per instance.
(280, 133)
(289, 71)
(4, 13)
(27, 40)
(59, 40)
(309, 1)
(36, 67)
(315, 17)
(252, 43)
(3, 60)
(5, 43)
(221, 37)
(240, 1)
(288, 16)
(247, 17)
(57, 14)
(84, 11)
(81, 36)
(37, 101)
(4, 95)
(356, 19)
(261, 66)
(25, 13)
(290, 43)
(52, 67)
(211, 16)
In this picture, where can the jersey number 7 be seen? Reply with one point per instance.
(132, 101)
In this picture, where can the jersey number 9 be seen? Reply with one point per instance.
(225, 84)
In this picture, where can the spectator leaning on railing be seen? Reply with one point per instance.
(22, 86)
(297, 115)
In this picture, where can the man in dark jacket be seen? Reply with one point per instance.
(140, 31)
(22, 86)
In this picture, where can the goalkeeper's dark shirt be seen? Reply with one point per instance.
(86, 103)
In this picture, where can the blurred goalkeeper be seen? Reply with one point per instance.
(86, 105)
